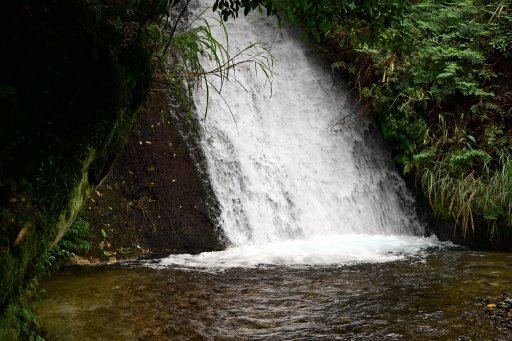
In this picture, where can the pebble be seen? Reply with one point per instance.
(500, 309)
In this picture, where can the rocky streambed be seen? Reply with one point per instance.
(433, 297)
(499, 309)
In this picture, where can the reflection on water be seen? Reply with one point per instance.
(433, 298)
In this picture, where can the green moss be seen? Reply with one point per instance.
(77, 198)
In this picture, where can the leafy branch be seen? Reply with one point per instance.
(198, 46)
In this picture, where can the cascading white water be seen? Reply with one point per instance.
(294, 187)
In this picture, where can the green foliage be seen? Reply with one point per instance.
(472, 198)
(450, 84)
(319, 17)
(188, 51)
(501, 34)
(230, 8)
(19, 323)
(74, 241)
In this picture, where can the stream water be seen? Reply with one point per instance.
(432, 298)
(323, 239)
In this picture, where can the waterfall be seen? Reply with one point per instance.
(300, 177)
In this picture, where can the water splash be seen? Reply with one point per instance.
(329, 250)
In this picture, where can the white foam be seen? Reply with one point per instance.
(320, 250)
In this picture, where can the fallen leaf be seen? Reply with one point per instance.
(22, 235)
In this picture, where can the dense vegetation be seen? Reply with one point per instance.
(440, 81)
(439, 76)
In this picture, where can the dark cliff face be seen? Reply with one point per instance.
(155, 200)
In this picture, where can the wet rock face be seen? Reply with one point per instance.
(154, 200)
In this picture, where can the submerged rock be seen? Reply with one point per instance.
(499, 309)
